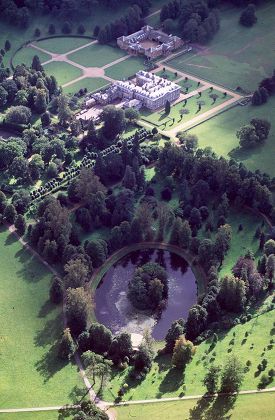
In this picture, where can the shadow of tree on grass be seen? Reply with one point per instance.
(50, 364)
(46, 309)
(50, 332)
(172, 381)
(213, 408)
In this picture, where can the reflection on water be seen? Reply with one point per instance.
(114, 310)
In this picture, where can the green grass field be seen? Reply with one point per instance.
(167, 75)
(62, 71)
(162, 381)
(42, 415)
(62, 45)
(190, 84)
(97, 55)
(160, 118)
(26, 55)
(220, 134)
(237, 56)
(31, 374)
(247, 407)
(90, 83)
(125, 69)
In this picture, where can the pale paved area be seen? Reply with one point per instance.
(86, 71)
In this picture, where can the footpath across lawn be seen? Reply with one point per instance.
(248, 407)
(30, 328)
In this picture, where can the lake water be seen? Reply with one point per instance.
(114, 310)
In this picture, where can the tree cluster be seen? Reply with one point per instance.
(196, 20)
(148, 288)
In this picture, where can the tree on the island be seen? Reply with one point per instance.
(232, 375)
(20, 224)
(67, 346)
(7, 45)
(248, 16)
(10, 213)
(56, 290)
(148, 287)
(183, 352)
(167, 107)
(211, 379)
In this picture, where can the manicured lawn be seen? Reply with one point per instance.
(37, 415)
(125, 69)
(189, 84)
(162, 381)
(97, 55)
(237, 56)
(160, 118)
(62, 45)
(90, 83)
(62, 71)
(31, 374)
(167, 75)
(220, 134)
(241, 241)
(26, 55)
(248, 407)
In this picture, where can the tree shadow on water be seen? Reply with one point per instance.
(50, 364)
(172, 381)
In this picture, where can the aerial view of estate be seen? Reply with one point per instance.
(137, 209)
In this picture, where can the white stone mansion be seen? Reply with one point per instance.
(151, 90)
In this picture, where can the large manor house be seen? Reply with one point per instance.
(146, 90)
(150, 42)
